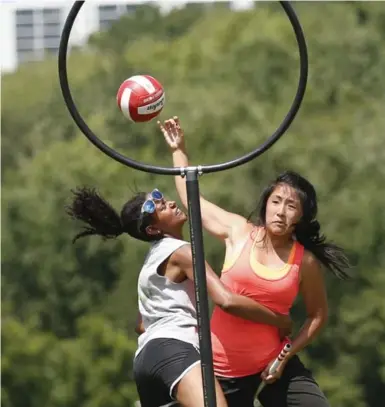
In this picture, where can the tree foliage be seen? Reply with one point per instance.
(69, 310)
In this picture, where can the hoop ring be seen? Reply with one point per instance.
(288, 119)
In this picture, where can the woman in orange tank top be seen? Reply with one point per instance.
(272, 261)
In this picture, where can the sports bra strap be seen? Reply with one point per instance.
(298, 254)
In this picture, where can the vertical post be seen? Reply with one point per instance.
(202, 305)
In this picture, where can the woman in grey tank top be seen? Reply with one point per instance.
(167, 361)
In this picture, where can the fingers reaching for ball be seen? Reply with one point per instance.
(177, 123)
(172, 133)
(162, 128)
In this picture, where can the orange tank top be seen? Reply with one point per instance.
(241, 347)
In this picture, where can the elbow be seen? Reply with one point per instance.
(320, 318)
(223, 307)
(223, 300)
(324, 319)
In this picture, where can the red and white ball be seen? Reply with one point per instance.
(141, 98)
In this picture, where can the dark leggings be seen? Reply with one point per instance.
(295, 388)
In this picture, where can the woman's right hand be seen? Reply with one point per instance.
(173, 133)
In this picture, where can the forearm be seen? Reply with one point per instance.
(308, 332)
(180, 159)
(251, 310)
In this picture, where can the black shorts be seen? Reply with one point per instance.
(296, 387)
(159, 367)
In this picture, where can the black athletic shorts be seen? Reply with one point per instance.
(159, 367)
(295, 388)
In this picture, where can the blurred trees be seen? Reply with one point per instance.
(69, 310)
(90, 370)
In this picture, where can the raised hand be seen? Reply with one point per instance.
(173, 133)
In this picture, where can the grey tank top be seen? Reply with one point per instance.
(167, 308)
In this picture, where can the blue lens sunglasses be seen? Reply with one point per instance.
(149, 206)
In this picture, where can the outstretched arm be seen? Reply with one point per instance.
(215, 220)
(234, 304)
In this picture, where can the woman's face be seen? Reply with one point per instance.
(283, 210)
(167, 218)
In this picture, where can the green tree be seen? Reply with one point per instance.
(230, 77)
(93, 370)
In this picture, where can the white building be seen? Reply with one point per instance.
(31, 29)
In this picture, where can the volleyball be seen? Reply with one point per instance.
(140, 98)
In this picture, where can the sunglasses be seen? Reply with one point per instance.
(149, 206)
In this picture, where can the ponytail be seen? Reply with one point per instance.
(101, 218)
(330, 255)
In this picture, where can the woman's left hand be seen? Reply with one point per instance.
(271, 378)
(173, 133)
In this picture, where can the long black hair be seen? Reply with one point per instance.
(101, 218)
(308, 230)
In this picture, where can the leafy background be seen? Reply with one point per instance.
(68, 311)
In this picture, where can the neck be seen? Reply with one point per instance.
(175, 235)
(277, 242)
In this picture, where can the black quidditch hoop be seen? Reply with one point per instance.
(204, 168)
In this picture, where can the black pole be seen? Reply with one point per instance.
(202, 304)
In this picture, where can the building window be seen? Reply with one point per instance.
(23, 44)
(51, 42)
(24, 17)
(130, 8)
(38, 33)
(24, 31)
(51, 16)
(107, 15)
(112, 12)
(51, 19)
(25, 35)
(52, 30)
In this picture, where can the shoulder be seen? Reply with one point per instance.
(182, 255)
(310, 267)
(169, 243)
(241, 229)
(309, 260)
(164, 248)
